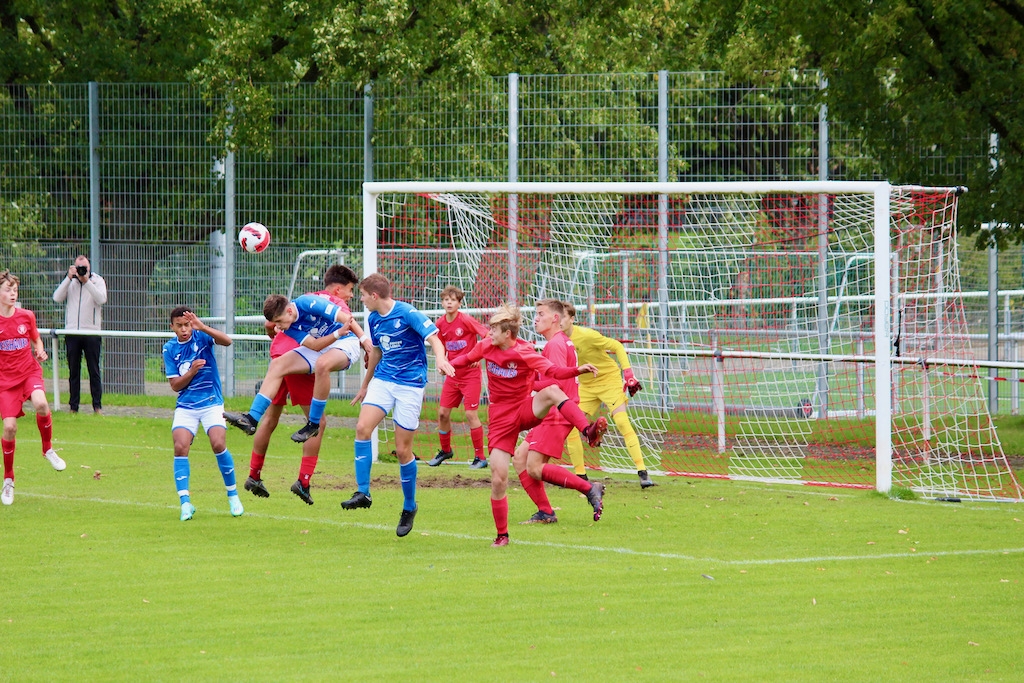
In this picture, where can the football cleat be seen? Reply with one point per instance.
(7, 497)
(187, 511)
(478, 464)
(596, 499)
(645, 480)
(501, 541)
(405, 522)
(55, 460)
(583, 476)
(307, 432)
(256, 488)
(236, 506)
(541, 517)
(358, 500)
(595, 432)
(302, 492)
(441, 456)
(243, 421)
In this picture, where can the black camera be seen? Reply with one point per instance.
(82, 270)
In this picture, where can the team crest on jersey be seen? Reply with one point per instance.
(22, 329)
(398, 323)
(458, 332)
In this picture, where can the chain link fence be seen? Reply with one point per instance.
(133, 175)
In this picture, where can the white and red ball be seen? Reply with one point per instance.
(254, 237)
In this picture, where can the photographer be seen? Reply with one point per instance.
(85, 293)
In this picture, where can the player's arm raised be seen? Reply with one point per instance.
(219, 337)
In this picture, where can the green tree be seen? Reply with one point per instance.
(925, 82)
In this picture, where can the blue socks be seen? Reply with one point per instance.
(181, 474)
(259, 406)
(316, 410)
(227, 470)
(364, 461)
(407, 473)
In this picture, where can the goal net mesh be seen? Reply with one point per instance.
(748, 318)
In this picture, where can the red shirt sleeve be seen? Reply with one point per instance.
(474, 355)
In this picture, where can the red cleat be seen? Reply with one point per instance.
(501, 541)
(595, 432)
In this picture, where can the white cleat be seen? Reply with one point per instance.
(187, 510)
(236, 506)
(55, 460)
(7, 497)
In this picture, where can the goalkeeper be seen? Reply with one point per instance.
(609, 387)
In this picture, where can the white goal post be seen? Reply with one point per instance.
(750, 311)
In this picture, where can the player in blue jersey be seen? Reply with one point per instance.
(192, 372)
(394, 382)
(328, 340)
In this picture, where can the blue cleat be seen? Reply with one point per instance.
(236, 506)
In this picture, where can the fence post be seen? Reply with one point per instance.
(95, 255)
(993, 325)
(823, 331)
(513, 176)
(229, 264)
(663, 231)
(367, 136)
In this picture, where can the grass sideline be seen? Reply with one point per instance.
(692, 579)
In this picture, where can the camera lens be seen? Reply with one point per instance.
(82, 270)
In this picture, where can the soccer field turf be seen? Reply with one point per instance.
(691, 580)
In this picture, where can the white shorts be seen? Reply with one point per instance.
(189, 418)
(347, 345)
(404, 403)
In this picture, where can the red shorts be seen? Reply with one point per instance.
(455, 390)
(548, 438)
(12, 399)
(506, 421)
(298, 387)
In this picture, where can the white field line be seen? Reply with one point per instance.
(563, 546)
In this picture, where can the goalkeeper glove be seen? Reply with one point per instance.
(632, 384)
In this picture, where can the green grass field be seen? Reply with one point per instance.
(692, 580)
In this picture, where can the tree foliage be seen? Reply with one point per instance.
(926, 83)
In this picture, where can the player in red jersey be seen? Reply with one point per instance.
(547, 440)
(512, 364)
(339, 284)
(21, 379)
(458, 332)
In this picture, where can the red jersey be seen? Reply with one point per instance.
(510, 372)
(16, 335)
(562, 354)
(459, 338)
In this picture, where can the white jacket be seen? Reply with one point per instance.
(84, 310)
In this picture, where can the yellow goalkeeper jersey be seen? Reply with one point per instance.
(593, 347)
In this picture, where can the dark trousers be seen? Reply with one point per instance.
(91, 347)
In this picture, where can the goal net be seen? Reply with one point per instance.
(791, 332)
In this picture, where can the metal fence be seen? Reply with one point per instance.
(137, 177)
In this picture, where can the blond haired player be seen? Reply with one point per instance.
(609, 387)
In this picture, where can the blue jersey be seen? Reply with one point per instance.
(204, 389)
(316, 318)
(400, 335)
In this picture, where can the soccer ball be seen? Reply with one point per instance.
(254, 237)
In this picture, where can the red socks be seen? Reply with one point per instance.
(446, 440)
(499, 508)
(256, 464)
(553, 474)
(306, 469)
(8, 447)
(571, 412)
(477, 434)
(45, 424)
(535, 490)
